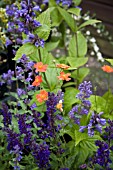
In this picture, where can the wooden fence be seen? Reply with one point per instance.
(104, 12)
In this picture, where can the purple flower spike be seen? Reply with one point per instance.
(95, 123)
(82, 108)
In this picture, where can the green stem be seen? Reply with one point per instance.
(45, 77)
(77, 56)
(108, 90)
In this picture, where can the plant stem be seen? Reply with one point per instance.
(45, 77)
(77, 57)
(108, 91)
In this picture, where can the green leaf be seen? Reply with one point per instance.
(78, 45)
(68, 18)
(79, 137)
(108, 96)
(15, 95)
(85, 147)
(15, 124)
(89, 22)
(27, 49)
(46, 57)
(83, 72)
(98, 103)
(51, 76)
(51, 45)
(56, 18)
(77, 2)
(77, 62)
(44, 30)
(110, 61)
(34, 56)
(75, 11)
(70, 98)
(52, 3)
(22, 104)
(69, 84)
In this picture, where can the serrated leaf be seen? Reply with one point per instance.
(44, 30)
(68, 18)
(79, 137)
(27, 49)
(78, 45)
(89, 22)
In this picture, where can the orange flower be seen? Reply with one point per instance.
(38, 80)
(59, 106)
(40, 67)
(107, 69)
(42, 96)
(64, 76)
(63, 66)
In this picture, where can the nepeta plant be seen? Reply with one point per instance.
(50, 106)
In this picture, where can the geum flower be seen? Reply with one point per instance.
(38, 80)
(64, 76)
(42, 96)
(63, 66)
(40, 67)
(107, 69)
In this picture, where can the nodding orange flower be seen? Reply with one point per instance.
(107, 69)
(59, 106)
(40, 67)
(38, 80)
(63, 66)
(64, 76)
(42, 96)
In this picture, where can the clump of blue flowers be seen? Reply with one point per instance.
(84, 106)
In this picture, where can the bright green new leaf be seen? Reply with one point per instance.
(78, 45)
(27, 49)
(110, 61)
(75, 11)
(68, 18)
(89, 22)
